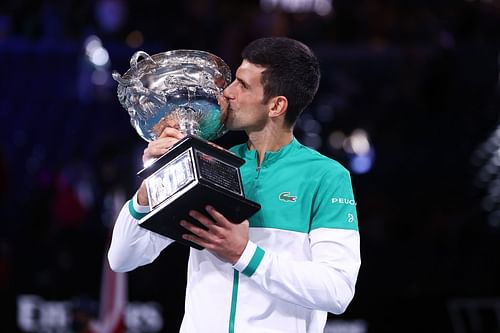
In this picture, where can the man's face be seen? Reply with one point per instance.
(245, 95)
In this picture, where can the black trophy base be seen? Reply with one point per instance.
(165, 220)
(215, 180)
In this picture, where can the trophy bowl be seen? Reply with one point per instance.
(181, 89)
(178, 88)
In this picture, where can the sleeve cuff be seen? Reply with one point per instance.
(137, 211)
(250, 259)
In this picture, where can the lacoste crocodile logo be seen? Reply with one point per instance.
(285, 196)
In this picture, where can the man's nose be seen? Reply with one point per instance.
(228, 92)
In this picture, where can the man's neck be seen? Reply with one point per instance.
(269, 140)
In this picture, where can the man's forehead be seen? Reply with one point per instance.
(247, 67)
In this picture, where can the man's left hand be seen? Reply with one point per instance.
(223, 238)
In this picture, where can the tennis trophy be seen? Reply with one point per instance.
(180, 89)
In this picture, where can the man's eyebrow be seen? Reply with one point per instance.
(245, 83)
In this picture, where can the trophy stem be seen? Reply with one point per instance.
(189, 127)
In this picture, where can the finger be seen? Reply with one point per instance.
(163, 143)
(171, 132)
(153, 152)
(196, 240)
(207, 222)
(218, 217)
(199, 232)
(158, 147)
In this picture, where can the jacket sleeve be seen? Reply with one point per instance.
(327, 280)
(131, 245)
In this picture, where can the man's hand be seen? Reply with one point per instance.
(168, 137)
(223, 238)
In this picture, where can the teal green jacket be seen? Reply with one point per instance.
(301, 261)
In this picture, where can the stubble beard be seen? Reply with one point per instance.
(230, 119)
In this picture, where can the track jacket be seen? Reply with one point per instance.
(301, 261)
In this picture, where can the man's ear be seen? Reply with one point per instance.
(278, 106)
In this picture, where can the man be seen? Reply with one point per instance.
(298, 257)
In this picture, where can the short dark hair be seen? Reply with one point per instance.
(292, 70)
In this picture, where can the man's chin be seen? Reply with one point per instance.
(229, 127)
(229, 124)
(233, 126)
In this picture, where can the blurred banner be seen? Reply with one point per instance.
(114, 291)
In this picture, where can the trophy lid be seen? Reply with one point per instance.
(178, 88)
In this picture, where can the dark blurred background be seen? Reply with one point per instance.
(409, 102)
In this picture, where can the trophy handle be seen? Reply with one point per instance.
(137, 55)
(117, 77)
(133, 65)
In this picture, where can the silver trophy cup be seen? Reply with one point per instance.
(181, 89)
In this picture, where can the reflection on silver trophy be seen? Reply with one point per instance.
(180, 89)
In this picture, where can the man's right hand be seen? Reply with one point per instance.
(169, 136)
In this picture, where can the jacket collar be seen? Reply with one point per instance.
(270, 156)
